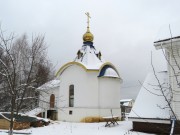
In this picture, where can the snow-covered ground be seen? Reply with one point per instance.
(66, 128)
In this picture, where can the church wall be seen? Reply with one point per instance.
(109, 89)
(78, 114)
(92, 89)
(85, 94)
(85, 87)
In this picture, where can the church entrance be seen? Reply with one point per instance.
(52, 114)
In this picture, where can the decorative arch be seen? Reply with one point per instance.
(70, 64)
(105, 66)
(52, 101)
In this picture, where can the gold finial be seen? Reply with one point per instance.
(88, 36)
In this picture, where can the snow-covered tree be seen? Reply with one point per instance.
(23, 67)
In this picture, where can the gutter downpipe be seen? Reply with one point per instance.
(173, 121)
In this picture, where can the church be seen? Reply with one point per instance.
(88, 86)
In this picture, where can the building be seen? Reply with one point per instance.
(89, 86)
(150, 113)
(126, 106)
(20, 121)
(157, 107)
(49, 100)
(171, 50)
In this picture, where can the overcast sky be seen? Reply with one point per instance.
(124, 31)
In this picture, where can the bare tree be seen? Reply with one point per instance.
(23, 67)
(167, 88)
(171, 94)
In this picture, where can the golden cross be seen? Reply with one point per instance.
(88, 16)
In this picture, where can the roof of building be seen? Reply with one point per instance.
(89, 57)
(108, 71)
(150, 103)
(35, 111)
(50, 85)
(167, 39)
(167, 42)
(126, 100)
(17, 117)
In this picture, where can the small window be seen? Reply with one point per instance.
(71, 96)
(70, 112)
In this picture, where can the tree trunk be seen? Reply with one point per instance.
(12, 116)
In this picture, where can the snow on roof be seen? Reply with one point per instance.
(108, 71)
(35, 111)
(126, 100)
(49, 85)
(126, 104)
(18, 117)
(89, 57)
(111, 72)
(148, 105)
(165, 43)
(167, 39)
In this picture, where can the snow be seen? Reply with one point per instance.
(89, 58)
(109, 117)
(111, 73)
(126, 104)
(1, 113)
(66, 128)
(35, 111)
(126, 100)
(51, 84)
(148, 105)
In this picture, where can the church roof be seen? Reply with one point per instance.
(89, 57)
(150, 104)
(108, 71)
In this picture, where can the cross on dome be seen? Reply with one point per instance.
(88, 36)
(88, 16)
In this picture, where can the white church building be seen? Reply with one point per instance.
(88, 86)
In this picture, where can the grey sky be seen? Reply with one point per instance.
(124, 31)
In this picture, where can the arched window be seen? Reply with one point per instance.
(52, 101)
(71, 96)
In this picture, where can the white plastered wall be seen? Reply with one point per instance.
(87, 94)
(109, 92)
(85, 87)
